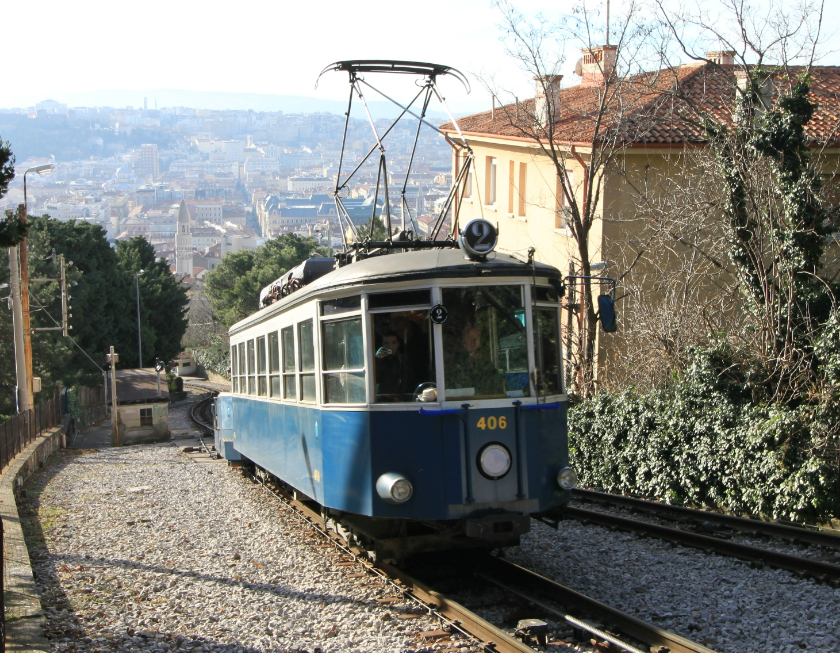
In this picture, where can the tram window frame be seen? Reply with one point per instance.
(353, 377)
(274, 365)
(308, 373)
(340, 306)
(382, 301)
(451, 334)
(536, 307)
(243, 370)
(384, 399)
(288, 367)
(262, 368)
(234, 377)
(251, 353)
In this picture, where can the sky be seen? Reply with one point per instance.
(257, 46)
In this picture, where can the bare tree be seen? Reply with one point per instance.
(762, 167)
(586, 131)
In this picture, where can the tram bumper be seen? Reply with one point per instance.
(497, 528)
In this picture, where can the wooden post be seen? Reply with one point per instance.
(113, 358)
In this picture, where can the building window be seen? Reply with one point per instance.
(146, 417)
(563, 212)
(468, 183)
(490, 182)
(523, 178)
(511, 186)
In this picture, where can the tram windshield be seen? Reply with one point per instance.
(404, 364)
(485, 351)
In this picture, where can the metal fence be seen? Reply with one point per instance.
(23, 428)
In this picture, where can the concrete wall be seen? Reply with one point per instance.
(24, 616)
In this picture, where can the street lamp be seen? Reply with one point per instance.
(139, 339)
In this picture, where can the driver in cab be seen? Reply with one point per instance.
(393, 369)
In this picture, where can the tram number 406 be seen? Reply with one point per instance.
(492, 423)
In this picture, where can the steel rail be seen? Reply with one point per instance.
(800, 534)
(512, 577)
(492, 639)
(816, 568)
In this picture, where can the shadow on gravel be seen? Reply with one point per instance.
(67, 631)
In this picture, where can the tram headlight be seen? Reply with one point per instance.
(567, 478)
(494, 460)
(394, 488)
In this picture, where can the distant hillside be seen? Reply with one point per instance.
(219, 101)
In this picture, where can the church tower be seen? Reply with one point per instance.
(183, 242)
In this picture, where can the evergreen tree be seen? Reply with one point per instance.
(12, 230)
(163, 301)
(234, 287)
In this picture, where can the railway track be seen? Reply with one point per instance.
(712, 532)
(549, 598)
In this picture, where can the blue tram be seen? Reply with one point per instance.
(418, 397)
(412, 386)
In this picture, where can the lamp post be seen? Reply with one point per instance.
(139, 339)
(20, 297)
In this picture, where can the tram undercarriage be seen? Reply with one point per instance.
(398, 539)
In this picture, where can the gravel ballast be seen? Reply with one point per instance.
(142, 549)
(714, 600)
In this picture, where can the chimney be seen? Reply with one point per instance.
(597, 64)
(722, 57)
(765, 86)
(547, 99)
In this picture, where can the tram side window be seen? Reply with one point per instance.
(288, 337)
(262, 381)
(547, 354)
(242, 369)
(306, 352)
(274, 364)
(485, 352)
(404, 364)
(233, 370)
(252, 369)
(344, 362)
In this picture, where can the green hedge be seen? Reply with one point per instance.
(696, 442)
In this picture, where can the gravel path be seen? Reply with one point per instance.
(710, 599)
(142, 549)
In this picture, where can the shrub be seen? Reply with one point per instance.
(215, 356)
(699, 441)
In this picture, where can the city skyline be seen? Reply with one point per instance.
(65, 54)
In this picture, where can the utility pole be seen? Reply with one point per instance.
(139, 338)
(115, 432)
(24, 290)
(24, 398)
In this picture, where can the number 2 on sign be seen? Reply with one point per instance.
(492, 423)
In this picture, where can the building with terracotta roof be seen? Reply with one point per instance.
(652, 121)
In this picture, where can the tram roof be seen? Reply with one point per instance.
(427, 264)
